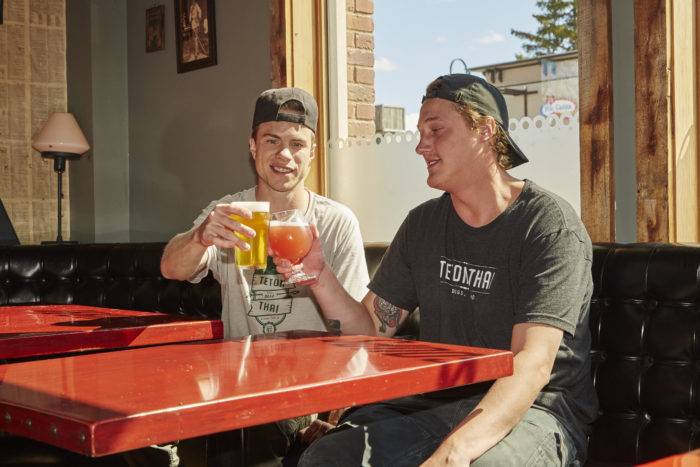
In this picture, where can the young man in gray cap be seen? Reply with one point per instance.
(282, 146)
(495, 262)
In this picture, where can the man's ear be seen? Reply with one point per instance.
(251, 147)
(487, 129)
(312, 153)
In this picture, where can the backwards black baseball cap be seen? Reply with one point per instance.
(268, 107)
(482, 96)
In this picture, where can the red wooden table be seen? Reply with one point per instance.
(686, 459)
(29, 331)
(104, 403)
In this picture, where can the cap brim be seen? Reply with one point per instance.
(517, 155)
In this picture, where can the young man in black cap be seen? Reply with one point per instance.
(495, 262)
(282, 145)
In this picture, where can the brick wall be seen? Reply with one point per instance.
(32, 86)
(360, 43)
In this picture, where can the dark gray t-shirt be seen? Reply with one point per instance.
(532, 264)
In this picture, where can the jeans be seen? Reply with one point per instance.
(263, 446)
(406, 431)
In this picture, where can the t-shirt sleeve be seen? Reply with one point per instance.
(556, 268)
(206, 265)
(205, 212)
(348, 262)
(393, 280)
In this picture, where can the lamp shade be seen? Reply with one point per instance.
(61, 134)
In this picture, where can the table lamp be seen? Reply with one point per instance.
(60, 139)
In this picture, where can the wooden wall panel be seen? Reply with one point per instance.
(278, 43)
(596, 132)
(652, 120)
(683, 212)
(298, 58)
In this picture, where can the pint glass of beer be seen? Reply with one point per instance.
(256, 257)
(291, 239)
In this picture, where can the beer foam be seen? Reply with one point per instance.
(274, 223)
(253, 206)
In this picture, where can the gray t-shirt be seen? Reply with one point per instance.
(532, 264)
(259, 301)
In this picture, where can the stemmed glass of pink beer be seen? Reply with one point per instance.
(290, 238)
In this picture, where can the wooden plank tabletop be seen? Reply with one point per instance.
(109, 402)
(35, 330)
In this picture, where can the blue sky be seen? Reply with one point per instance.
(415, 41)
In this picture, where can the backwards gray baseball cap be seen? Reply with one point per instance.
(482, 96)
(268, 107)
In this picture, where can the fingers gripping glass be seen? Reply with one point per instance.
(290, 238)
(256, 256)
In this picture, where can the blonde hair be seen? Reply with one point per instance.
(500, 143)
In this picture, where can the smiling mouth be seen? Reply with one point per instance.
(432, 162)
(281, 170)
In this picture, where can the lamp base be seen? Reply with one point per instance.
(56, 242)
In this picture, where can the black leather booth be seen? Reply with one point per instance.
(109, 275)
(645, 319)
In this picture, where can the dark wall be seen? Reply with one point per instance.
(187, 133)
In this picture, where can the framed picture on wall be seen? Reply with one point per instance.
(195, 34)
(155, 28)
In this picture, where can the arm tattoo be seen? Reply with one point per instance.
(333, 325)
(387, 313)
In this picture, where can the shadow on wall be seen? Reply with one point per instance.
(176, 177)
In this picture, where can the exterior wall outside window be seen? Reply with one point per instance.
(538, 86)
(360, 62)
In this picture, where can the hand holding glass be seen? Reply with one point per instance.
(256, 257)
(291, 238)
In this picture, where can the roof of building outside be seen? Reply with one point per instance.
(527, 61)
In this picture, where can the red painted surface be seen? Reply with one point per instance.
(109, 402)
(29, 331)
(686, 459)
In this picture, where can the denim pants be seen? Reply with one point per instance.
(406, 431)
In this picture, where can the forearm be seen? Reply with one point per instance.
(182, 256)
(339, 307)
(502, 408)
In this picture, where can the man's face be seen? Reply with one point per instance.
(454, 152)
(283, 152)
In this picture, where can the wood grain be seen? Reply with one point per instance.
(596, 120)
(684, 217)
(278, 44)
(652, 120)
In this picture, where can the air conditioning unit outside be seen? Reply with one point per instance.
(389, 119)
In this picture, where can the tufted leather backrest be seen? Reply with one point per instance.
(121, 275)
(645, 323)
(645, 320)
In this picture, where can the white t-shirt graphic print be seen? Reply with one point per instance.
(257, 301)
